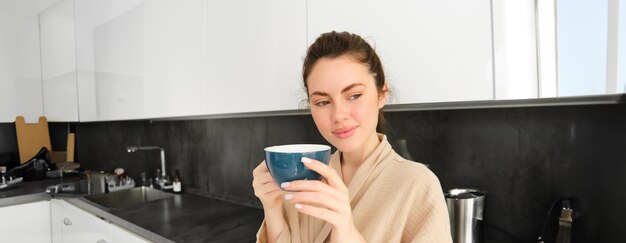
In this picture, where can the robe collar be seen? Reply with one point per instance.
(375, 160)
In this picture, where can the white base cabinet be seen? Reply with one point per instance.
(25, 223)
(71, 224)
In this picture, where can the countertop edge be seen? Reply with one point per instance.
(23, 199)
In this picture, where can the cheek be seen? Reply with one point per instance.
(365, 112)
(320, 119)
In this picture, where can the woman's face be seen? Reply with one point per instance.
(344, 102)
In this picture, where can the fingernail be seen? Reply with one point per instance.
(305, 160)
(288, 196)
(284, 184)
(298, 206)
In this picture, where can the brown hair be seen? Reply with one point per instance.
(334, 44)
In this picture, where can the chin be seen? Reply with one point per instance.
(344, 145)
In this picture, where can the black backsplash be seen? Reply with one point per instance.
(524, 158)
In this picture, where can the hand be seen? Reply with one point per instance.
(265, 188)
(329, 202)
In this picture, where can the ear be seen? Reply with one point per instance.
(382, 99)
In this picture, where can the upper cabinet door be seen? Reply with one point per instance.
(109, 46)
(175, 58)
(141, 59)
(515, 47)
(432, 51)
(58, 62)
(20, 66)
(255, 51)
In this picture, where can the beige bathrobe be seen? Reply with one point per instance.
(392, 199)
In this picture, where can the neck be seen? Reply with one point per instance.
(351, 161)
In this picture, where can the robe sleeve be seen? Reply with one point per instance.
(283, 237)
(429, 220)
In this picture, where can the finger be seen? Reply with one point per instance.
(266, 188)
(263, 180)
(275, 193)
(261, 168)
(315, 186)
(320, 213)
(326, 171)
(318, 199)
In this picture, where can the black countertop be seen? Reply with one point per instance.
(27, 191)
(191, 218)
(182, 218)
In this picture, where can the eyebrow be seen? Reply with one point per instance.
(346, 89)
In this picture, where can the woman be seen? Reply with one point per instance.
(369, 193)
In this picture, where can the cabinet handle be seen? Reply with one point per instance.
(102, 241)
(67, 221)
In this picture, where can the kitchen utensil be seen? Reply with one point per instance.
(284, 162)
(465, 208)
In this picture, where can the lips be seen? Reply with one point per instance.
(344, 132)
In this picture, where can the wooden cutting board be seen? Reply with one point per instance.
(31, 137)
(71, 140)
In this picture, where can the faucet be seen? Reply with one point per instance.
(162, 180)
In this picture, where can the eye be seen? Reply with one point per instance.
(355, 96)
(322, 103)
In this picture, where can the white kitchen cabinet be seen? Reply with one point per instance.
(58, 62)
(109, 51)
(29, 222)
(515, 47)
(255, 54)
(432, 51)
(20, 65)
(155, 59)
(141, 59)
(175, 58)
(71, 224)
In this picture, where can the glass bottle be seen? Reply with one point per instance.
(177, 182)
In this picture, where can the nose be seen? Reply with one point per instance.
(341, 111)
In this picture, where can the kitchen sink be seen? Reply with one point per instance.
(128, 197)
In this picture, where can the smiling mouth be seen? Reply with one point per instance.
(344, 132)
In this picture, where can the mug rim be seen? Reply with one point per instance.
(305, 148)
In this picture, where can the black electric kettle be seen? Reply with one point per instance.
(33, 169)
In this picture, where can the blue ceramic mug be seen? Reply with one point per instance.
(284, 161)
